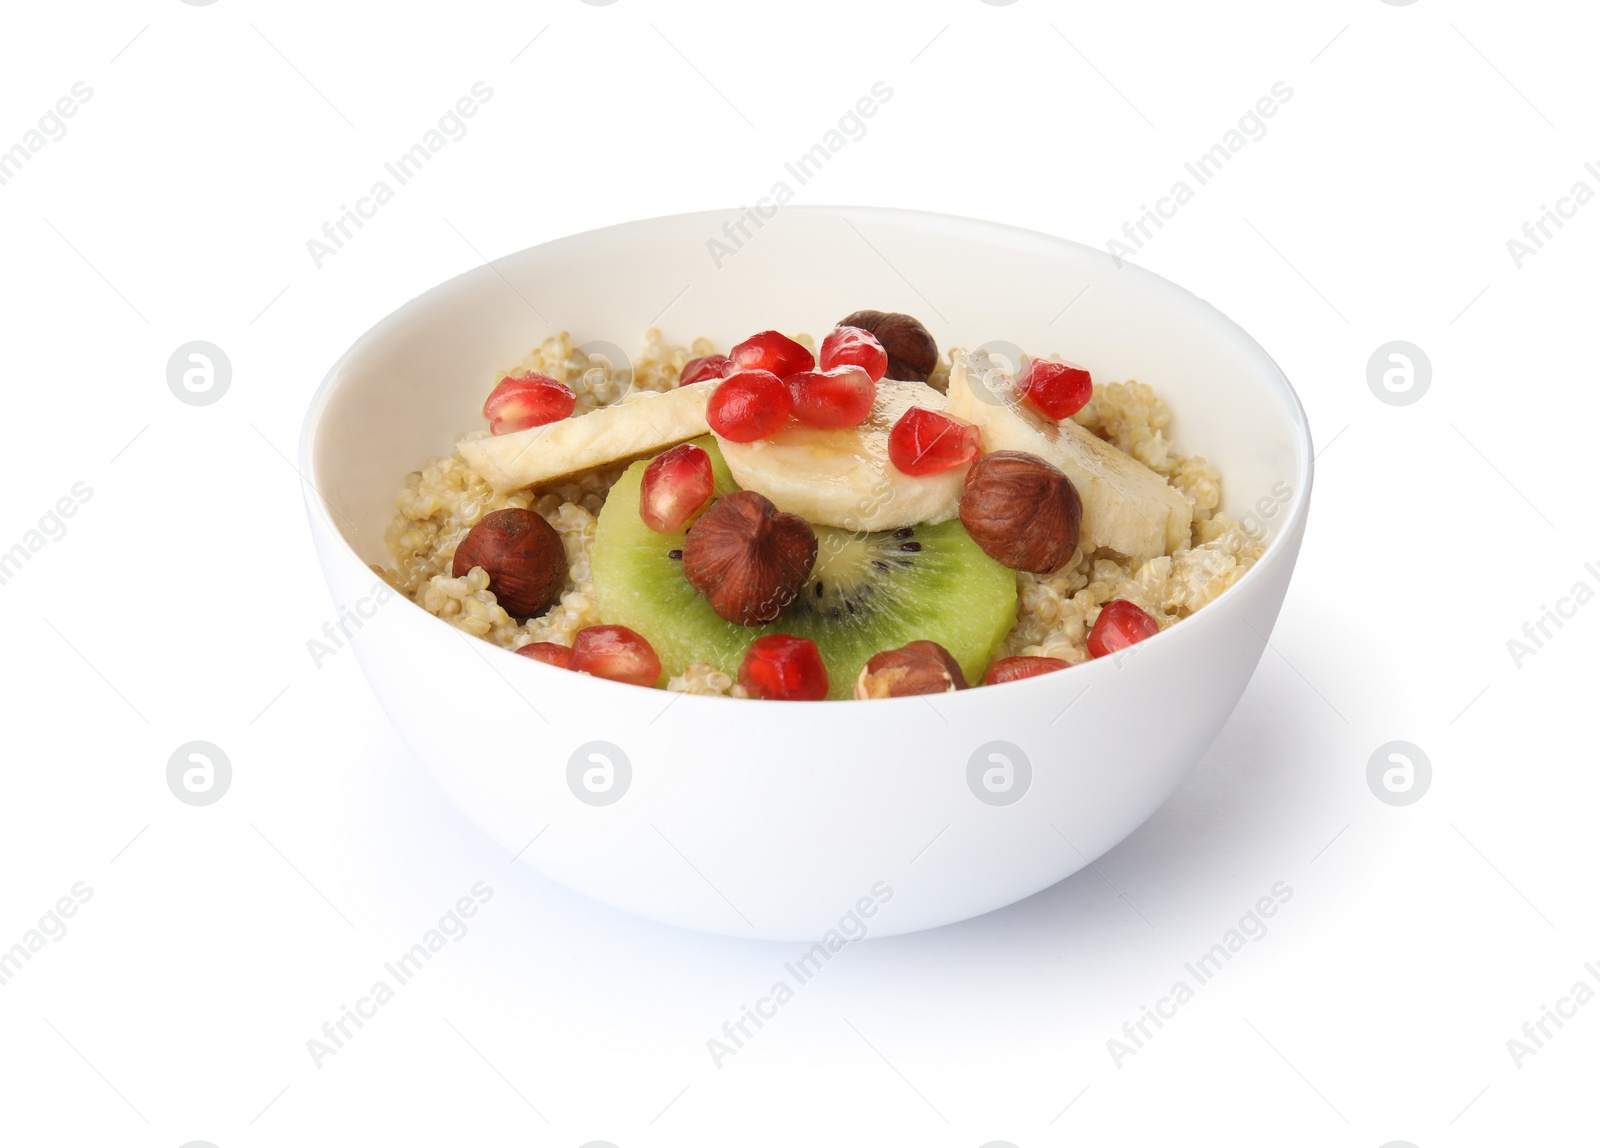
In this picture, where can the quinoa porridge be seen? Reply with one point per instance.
(1203, 553)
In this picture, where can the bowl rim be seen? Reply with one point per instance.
(321, 510)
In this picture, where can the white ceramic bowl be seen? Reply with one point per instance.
(785, 820)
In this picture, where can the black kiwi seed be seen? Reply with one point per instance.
(676, 555)
(848, 595)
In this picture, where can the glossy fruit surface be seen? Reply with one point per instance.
(705, 367)
(784, 669)
(771, 351)
(854, 347)
(749, 405)
(1056, 390)
(617, 653)
(1119, 626)
(1022, 666)
(676, 486)
(841, 397)
(926, 441)
(522, 401)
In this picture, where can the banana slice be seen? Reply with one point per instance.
(1127, 507)
(843, 477)
(644, 423)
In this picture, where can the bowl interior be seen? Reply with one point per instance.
(418, 379)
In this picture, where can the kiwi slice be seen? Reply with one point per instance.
(867, 593)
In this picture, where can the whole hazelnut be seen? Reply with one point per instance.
(912, 352)
(523, 556)
(919, 667)
(747, 558)
(1022, 511)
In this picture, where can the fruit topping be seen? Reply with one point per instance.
(868, 592)
(1127, 507)
(550, 653)
(749, 405)
(784, 669)
(523, 556)
(911, 350)
(1119, 626)
(770, 351)
(747, 558)
(523, 401)
(926, 441)
(843, 476)
(1023, 512)
(854, 347)
(1014, 669)
(676, 486)
(838, 397)
(640, 426)
(919, 667)
(617, 653)
(1055, 390)
(705, 367)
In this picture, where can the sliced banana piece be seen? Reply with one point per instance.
(644, 423)
(843, 477)
(1127, 507)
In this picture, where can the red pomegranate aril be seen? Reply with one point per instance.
(523, 401)
(617, 653)
(1119, 626)
(853, 347)
(1022, 666)
(676, 486)
(784, 669)
(748, 405)
(840, 397)
(1056, 390)
(926, 441)
(550, 653)
(771, 351)
(703, 368)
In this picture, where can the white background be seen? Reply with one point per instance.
(219, 138)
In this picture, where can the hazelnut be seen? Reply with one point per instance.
(915, 668)
(747, 558)
(912, 352)
(1022, 511)
(523, 556)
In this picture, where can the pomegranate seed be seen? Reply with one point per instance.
(1119, 626)
(550, 653)
(676, 485)
(784, 669)
(617, 653)
(523, 401)
(851, 346)
(748, 405)
(841, 397)
(1057, 390)
(703, 368)
(1014, 669)
(925, 441)
(770, 351)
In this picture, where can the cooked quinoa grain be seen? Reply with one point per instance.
(442, 501)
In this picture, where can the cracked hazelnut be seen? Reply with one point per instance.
(1022, 511)
(912, 352)
(915, 668)
(747, 558)
(523, 556)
